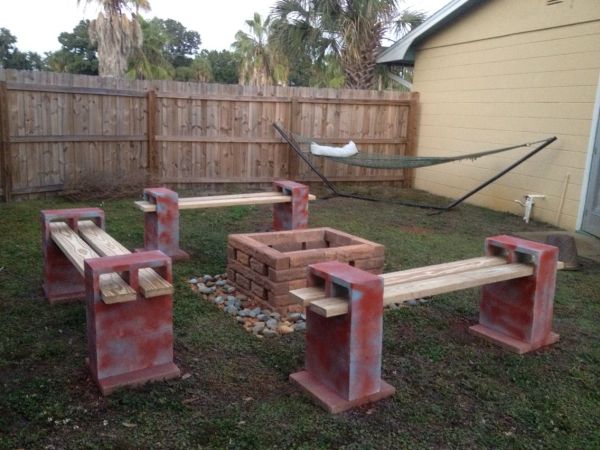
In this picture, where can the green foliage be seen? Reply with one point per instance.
(261, 62)
(168, 52)
(12, 58)
(349, 32)
(224, 65)
(77, 53)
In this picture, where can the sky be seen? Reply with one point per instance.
(37, 23)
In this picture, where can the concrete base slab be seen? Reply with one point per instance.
(332, 402)
(510, 343)
(157, 373)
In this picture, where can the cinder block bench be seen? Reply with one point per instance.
(345, 309)
(129, 297)
(161, 208)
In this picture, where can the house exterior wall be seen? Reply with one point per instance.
(507, 72)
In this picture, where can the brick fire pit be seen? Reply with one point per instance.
(266, 266)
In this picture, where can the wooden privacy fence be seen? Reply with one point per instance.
(58, 130)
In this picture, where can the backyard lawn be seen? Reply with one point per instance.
(453, 390)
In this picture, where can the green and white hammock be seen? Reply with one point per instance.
(380, 161)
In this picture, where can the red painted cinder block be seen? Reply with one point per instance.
(161, 227)
(293, 215)
(343, 353)
(62, 282)
(517, 314)
(129, 343)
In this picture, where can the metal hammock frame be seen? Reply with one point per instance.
(411, 162)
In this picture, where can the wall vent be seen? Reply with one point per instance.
(553, 2)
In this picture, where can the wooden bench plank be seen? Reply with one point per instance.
(308, 295)
(151, 283)
(260, 198)
(330, 306)
(422, 273)
(444, 284)
(112, 287)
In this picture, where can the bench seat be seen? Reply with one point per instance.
(216, 201)
(94, 242)
(426, 281)
(151, 283)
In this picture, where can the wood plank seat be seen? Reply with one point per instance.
(112, 287)
(426, 281)
(151, 283)
(216, 201)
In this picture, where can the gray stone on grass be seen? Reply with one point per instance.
(221, 283)
(294, 316)
(267, 332)
(299, 326)
(193, 280)
(255, 312)
(412, 302)
(219, 300)
(231, 310)
(272, 324)
(244, 312)
(205, 289)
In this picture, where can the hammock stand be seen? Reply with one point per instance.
(383, 162)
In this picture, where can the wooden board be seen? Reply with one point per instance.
(151, 283)
(261, 198)
(112, 287)
(403, 292)
(422, 273)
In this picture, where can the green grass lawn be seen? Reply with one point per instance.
(452, 389)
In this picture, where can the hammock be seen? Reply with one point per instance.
(416, 162)
(379, 161)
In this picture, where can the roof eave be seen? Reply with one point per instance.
(403, 52)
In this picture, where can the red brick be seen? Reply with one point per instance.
(287, 275)
(242, 281)
(242, 257)
(257, 289)
(258, 266)
(370, 263)
(280, 300)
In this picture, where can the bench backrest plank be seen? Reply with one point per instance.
(151, 283)
(112, 287)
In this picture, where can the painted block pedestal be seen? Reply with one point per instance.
(517, 314)
(343, 353)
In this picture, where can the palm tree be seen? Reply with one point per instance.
(261, 61)
(117, 35)
(350, 30)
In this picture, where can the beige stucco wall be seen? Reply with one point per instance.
(507, 72)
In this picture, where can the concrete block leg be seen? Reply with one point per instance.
(294, 215)
(161, 227)
(129, 343)
(62, 283)
(517, 314)
(343, 353)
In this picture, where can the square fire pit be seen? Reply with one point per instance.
(266, 266)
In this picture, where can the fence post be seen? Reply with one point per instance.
(151, 132)
(5, 159)
(412, 130)
(293, 164)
